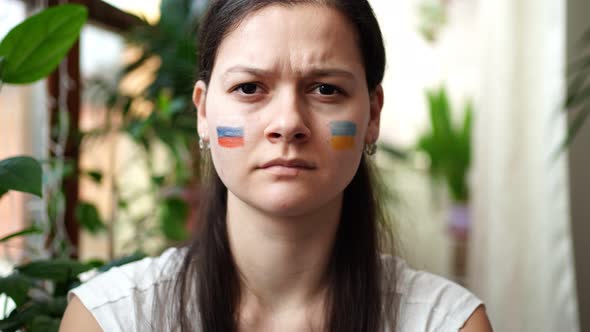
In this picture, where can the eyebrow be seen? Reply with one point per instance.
(248, 70)
(317, 72)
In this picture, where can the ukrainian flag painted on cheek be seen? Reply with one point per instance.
(230, 137)
(343, 133)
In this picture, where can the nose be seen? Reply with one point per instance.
(288, 121)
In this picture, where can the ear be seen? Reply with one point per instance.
(199, 100)
(376, 99)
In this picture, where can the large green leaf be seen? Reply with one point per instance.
(21, 174)
(16, 286)
(34, 48)
(89, 218)
(60, 270)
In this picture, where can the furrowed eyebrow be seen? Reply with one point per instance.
(319, 72)
(247, 70)
(330, 72)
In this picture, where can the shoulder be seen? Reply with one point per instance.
(478, 322)
(123, 296)
(78, 318)
(427, 302)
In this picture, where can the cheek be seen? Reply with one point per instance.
(230, 137)
(228, 132)
(343, 135)
(345, 146)
(344, 165)
(228, 141)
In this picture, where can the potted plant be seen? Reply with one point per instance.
(448, 147)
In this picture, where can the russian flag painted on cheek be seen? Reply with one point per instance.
(230, 137)
(343, 133)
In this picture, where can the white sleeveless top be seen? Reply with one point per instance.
(121, 298)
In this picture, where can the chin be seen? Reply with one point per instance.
(287, 207)
(287, 199)
(290, 206)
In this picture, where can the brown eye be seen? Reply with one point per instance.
(327, 90)
(247, 88)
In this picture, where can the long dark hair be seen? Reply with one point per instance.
(207, 291)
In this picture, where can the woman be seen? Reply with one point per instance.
(288, 101)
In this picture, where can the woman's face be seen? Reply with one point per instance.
(287, 110)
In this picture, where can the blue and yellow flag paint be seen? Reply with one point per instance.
(343, 133)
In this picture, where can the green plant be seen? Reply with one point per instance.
(20, 174)
(39, 290)
(34, 48)
(448, 145)
(29, 52)
(170, 122)
(578, 90)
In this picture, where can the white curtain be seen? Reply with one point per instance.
(521, 260)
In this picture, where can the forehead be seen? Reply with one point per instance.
(292, 37)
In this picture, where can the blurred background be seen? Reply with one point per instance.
(483, 155)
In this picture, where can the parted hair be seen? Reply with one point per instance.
(206, 295)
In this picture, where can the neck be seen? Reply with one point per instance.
(282, 261)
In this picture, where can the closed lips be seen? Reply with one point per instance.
(291, 163)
